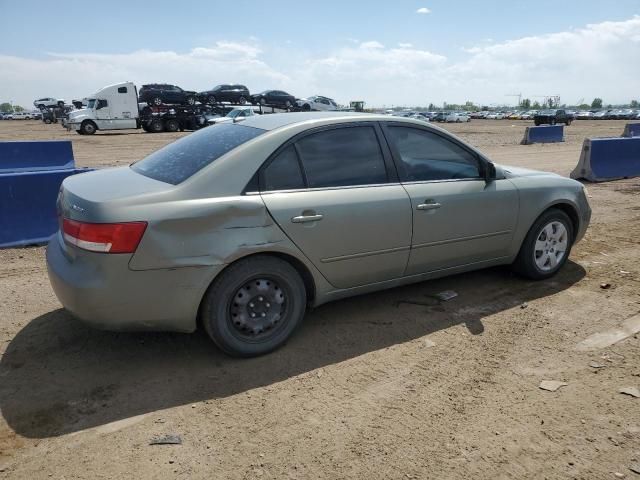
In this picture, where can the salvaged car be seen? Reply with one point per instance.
(243, 226)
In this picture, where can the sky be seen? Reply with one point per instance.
(387, 53)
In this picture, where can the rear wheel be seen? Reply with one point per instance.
(191, 101)
(157, 101)
(242, 101)
(156, 126)
(172, 125)
(211, 100)
(287, 104)
(552, 121)
(254, 306)
(262, 101)
(47, 121)
(546, 247)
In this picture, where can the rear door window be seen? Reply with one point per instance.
(342, 157)
(283, 173)
(179, 160)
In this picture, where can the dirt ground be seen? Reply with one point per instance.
(382, 386)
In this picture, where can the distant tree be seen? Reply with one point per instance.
(525, 103)
(432, 107)
(635, 104)
(584, 106)
(5, 107)
(18, 108)
(597, 103)
(536, 105)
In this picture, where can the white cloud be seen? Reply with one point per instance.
(73, 76)
(423, 10)
(596, 60)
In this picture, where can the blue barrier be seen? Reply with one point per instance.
(608, 159)
(35, 156)
(543, 134)
(29, 183)
(631, 130)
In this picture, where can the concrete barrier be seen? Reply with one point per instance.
(604, 159)
(631, 130)
(543, 134)
(30, 178)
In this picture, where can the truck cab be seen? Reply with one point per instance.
(114, 107)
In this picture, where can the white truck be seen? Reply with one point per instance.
(114, 107)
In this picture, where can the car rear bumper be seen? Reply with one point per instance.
(102, 290)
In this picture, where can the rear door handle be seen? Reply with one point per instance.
(306, 218)
(428, 206)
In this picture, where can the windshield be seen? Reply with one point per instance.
(235, 113)
(91, 103)
(179, 160)
(548, 112)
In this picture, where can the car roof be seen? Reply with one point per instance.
(272, 121)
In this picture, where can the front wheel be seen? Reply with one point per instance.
(88, 128)
(254, 306)
(191, 101)
(546, 247)
(157, 101)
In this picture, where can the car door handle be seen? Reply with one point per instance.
(306, 218)
(428, 206)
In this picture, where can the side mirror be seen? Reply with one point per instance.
(490, 172)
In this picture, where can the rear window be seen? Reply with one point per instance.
(179, 160)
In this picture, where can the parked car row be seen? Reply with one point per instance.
(619, 114)
(157, 94)
(21, 116)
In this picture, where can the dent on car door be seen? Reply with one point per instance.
(458, 217)
(332, 195)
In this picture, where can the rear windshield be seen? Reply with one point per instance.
(179, 160)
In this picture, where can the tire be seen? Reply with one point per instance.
(537, 244)
(88, 128)
(552, 121)
(568, 122)
(156, 126)
(156, 101)
(191, 101)
(41, 106)
(537, 123)
(79, 132)
(287, 104)
(242, 101)
(172, 125)
(228, 323)
(262, 101)
(306, 107)
(47, 121)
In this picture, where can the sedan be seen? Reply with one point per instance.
(235, 115)
(241, 227)
(232, 93)
(457, 117)
(317, 103)
(274, 97)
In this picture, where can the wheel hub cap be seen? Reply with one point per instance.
(551, 246)
(257, 307)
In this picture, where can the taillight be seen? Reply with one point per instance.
(104, 237)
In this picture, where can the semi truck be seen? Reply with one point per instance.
(114, 107)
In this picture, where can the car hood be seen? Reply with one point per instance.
(513, 172)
